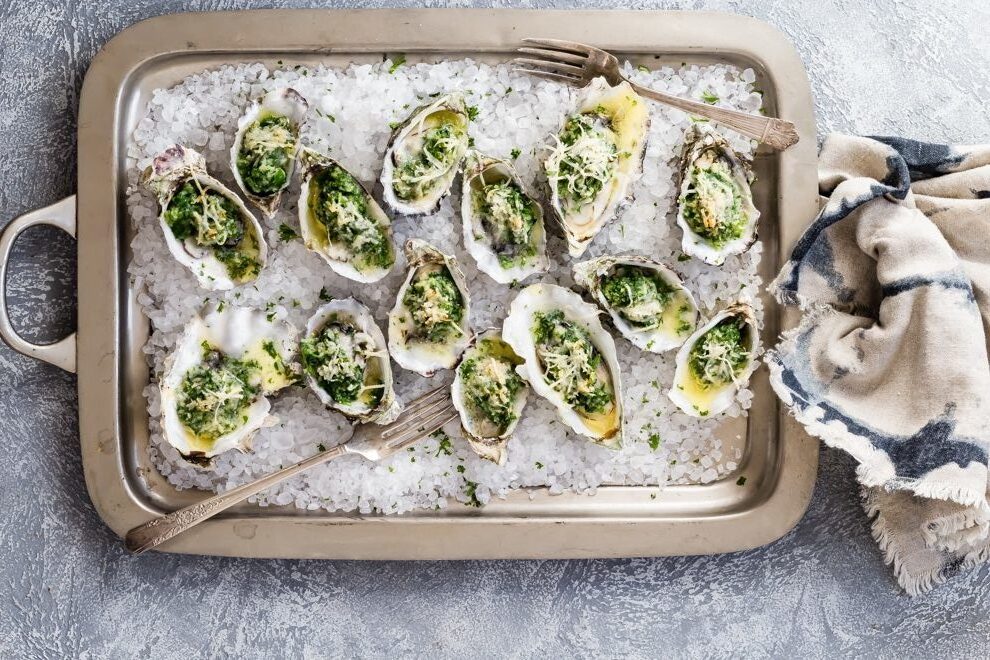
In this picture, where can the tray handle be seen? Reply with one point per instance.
(62, 215)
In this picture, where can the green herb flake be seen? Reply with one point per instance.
(286, 233)
(472, 111)
(643, 68)
(324, 296)
(654, 441)
(539, 466)
(322, 447)
(515, 153)
(396, 63)
(741, 481)
(471, 490)
(709, 97)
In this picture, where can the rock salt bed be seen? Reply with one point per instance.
(349, 119)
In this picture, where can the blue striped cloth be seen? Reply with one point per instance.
(889, 362)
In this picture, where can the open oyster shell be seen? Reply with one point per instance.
(489, 395)
(215, 384)
(430, 325)
(207, 227)
(502, 223)
(647, 302)
(424, 155)
(345, 359)
(597, 157)
(715, 204)
(264, 153)
(715, 362)
(341, 221)
(570, 359)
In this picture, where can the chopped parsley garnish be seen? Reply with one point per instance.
(435, 304)
(338, 358)
(340, 204)
(713, 204)
(490, 386)
(721, 354)
(396, 63)
(515, 153)
(572, 366)
(653, 441)
(286, 233)
(214, 395)
(583, 160)
(741, 481)
(472, 112)
(209, 219)
(508, 216)
(638, 294)
(709, 97)
(439, 152)
(266, 155)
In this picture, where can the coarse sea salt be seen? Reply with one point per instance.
(351, 110)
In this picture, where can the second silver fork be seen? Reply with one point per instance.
(576, 63)
(423, 416)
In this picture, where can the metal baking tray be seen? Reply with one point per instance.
(779, 462)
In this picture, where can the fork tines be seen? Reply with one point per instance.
(555, 60)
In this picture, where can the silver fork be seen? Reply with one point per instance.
(572, 62)
(421, 417)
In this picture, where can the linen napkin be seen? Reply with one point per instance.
(889, 362)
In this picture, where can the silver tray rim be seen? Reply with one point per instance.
(619, 520)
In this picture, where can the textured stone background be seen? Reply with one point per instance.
(67, 588)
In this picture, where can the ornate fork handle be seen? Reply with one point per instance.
(776, 133)
(161, 529)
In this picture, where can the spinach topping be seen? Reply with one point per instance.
(441, 149)
(508, 216)
(435, 304)
(583, 161)
(638, 294)
(337, 357)
(340, 204)
(572, 366)
(713, 204)
(213, 395)
(212, 220)
(720, 355)
(266, 153)
(490, 387)
(207, 217)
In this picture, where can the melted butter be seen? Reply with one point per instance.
(702, 399)
(274, 374)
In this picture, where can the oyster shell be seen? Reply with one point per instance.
(346, 363)
(503, 225)
(207, 227)
(264, 152)
(489, 395)
(570, 359)
(423, 156)
(597, 157)
(430, 327)
(340, 221)
(715, 204)
(215, 384)
(648, 303)
(715, 362)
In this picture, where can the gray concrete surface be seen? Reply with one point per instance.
(68, 589)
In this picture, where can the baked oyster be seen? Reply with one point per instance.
(502, 224)
(429, 327)
(424, 155)
(597, 156)
(215, 384)
(647, 302)
(489, 395)
(569, 359)
(346, 362)
(715, 204)
(264, 152)
(207, 227)
(715, 362)
(340, 221)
